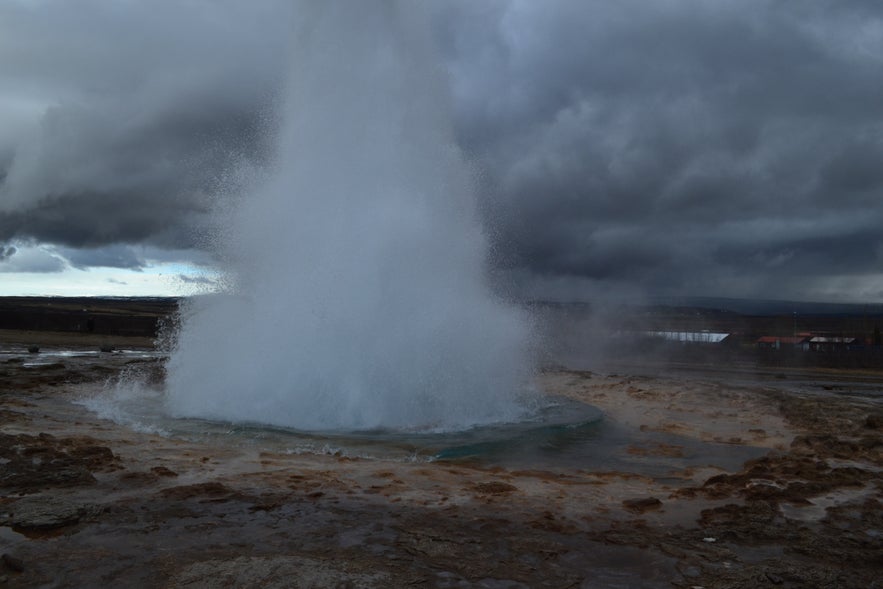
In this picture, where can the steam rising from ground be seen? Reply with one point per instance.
(359, 298)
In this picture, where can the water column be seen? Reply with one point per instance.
(358, 295)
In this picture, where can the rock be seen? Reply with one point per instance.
(33, 349)
(495, 488)
(35, 463)
(774, 578)
(162, 471)
(642, 505)
(277, 572)
(31, 478)
(47, 513)
(92, 456)
(139, 478)
(209, 489)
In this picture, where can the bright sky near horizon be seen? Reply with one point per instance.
(55, 276)
(156, 281)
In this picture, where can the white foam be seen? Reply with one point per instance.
(131, 403)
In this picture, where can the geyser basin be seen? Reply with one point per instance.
(560, 434)
(553, 425)
(553, 419)
(358, 293)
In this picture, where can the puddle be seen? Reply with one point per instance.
(7, 534)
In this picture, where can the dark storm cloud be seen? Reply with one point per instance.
(681, 146)
(112, 256)
(678, 145)
(29, 258)
(123, 119)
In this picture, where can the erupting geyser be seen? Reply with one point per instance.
(359, 298)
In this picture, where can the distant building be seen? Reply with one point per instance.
(778, 342)
(689, 337)
(830, 344)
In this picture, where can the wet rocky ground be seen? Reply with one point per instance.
(86, 502)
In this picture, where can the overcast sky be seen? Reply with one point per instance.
(664, 147)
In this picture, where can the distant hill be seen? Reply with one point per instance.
(122, 316)
(722, 305)
(767, 307)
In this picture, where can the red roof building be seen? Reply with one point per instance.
(776, 342)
